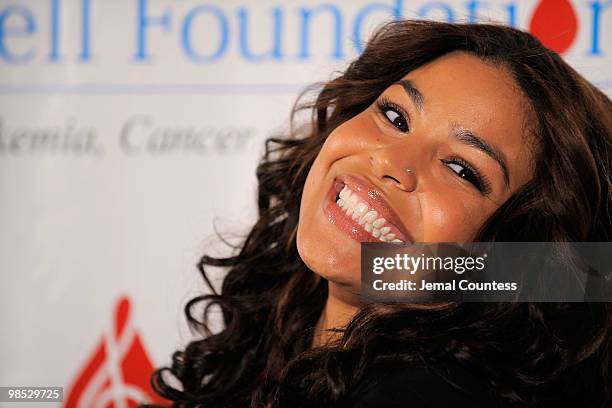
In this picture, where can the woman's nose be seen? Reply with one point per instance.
(398, 171)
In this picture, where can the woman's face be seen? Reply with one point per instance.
(429, 161)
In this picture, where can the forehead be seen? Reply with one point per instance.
(461, 90)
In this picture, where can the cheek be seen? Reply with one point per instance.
(450, 218)
(350, 138)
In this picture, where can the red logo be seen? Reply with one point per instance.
(555, 24)
(118, 372)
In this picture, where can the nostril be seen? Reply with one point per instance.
(393, 178)
(408, 183)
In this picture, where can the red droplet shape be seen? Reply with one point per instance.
(555, 24)
(118, 372)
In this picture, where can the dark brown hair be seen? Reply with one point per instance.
(526, 354)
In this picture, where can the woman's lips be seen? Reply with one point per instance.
(369, 214)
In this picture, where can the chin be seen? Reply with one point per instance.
(328, 259)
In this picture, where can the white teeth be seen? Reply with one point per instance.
(379, 222)
(371, 216)
(344, 192)
(359, 211)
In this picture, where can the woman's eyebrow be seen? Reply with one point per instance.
(465, 136)
(414, 94)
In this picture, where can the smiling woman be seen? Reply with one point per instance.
(436, 133)
(411, 167)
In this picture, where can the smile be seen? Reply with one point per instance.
(360, 210)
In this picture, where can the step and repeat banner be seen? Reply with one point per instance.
(129, 133)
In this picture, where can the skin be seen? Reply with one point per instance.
(459, 91)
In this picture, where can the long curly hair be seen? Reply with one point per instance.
(527, 354)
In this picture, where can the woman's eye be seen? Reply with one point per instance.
(394, 115)
(464, 171)
(397, 120)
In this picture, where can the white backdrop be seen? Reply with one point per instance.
(128, 126)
